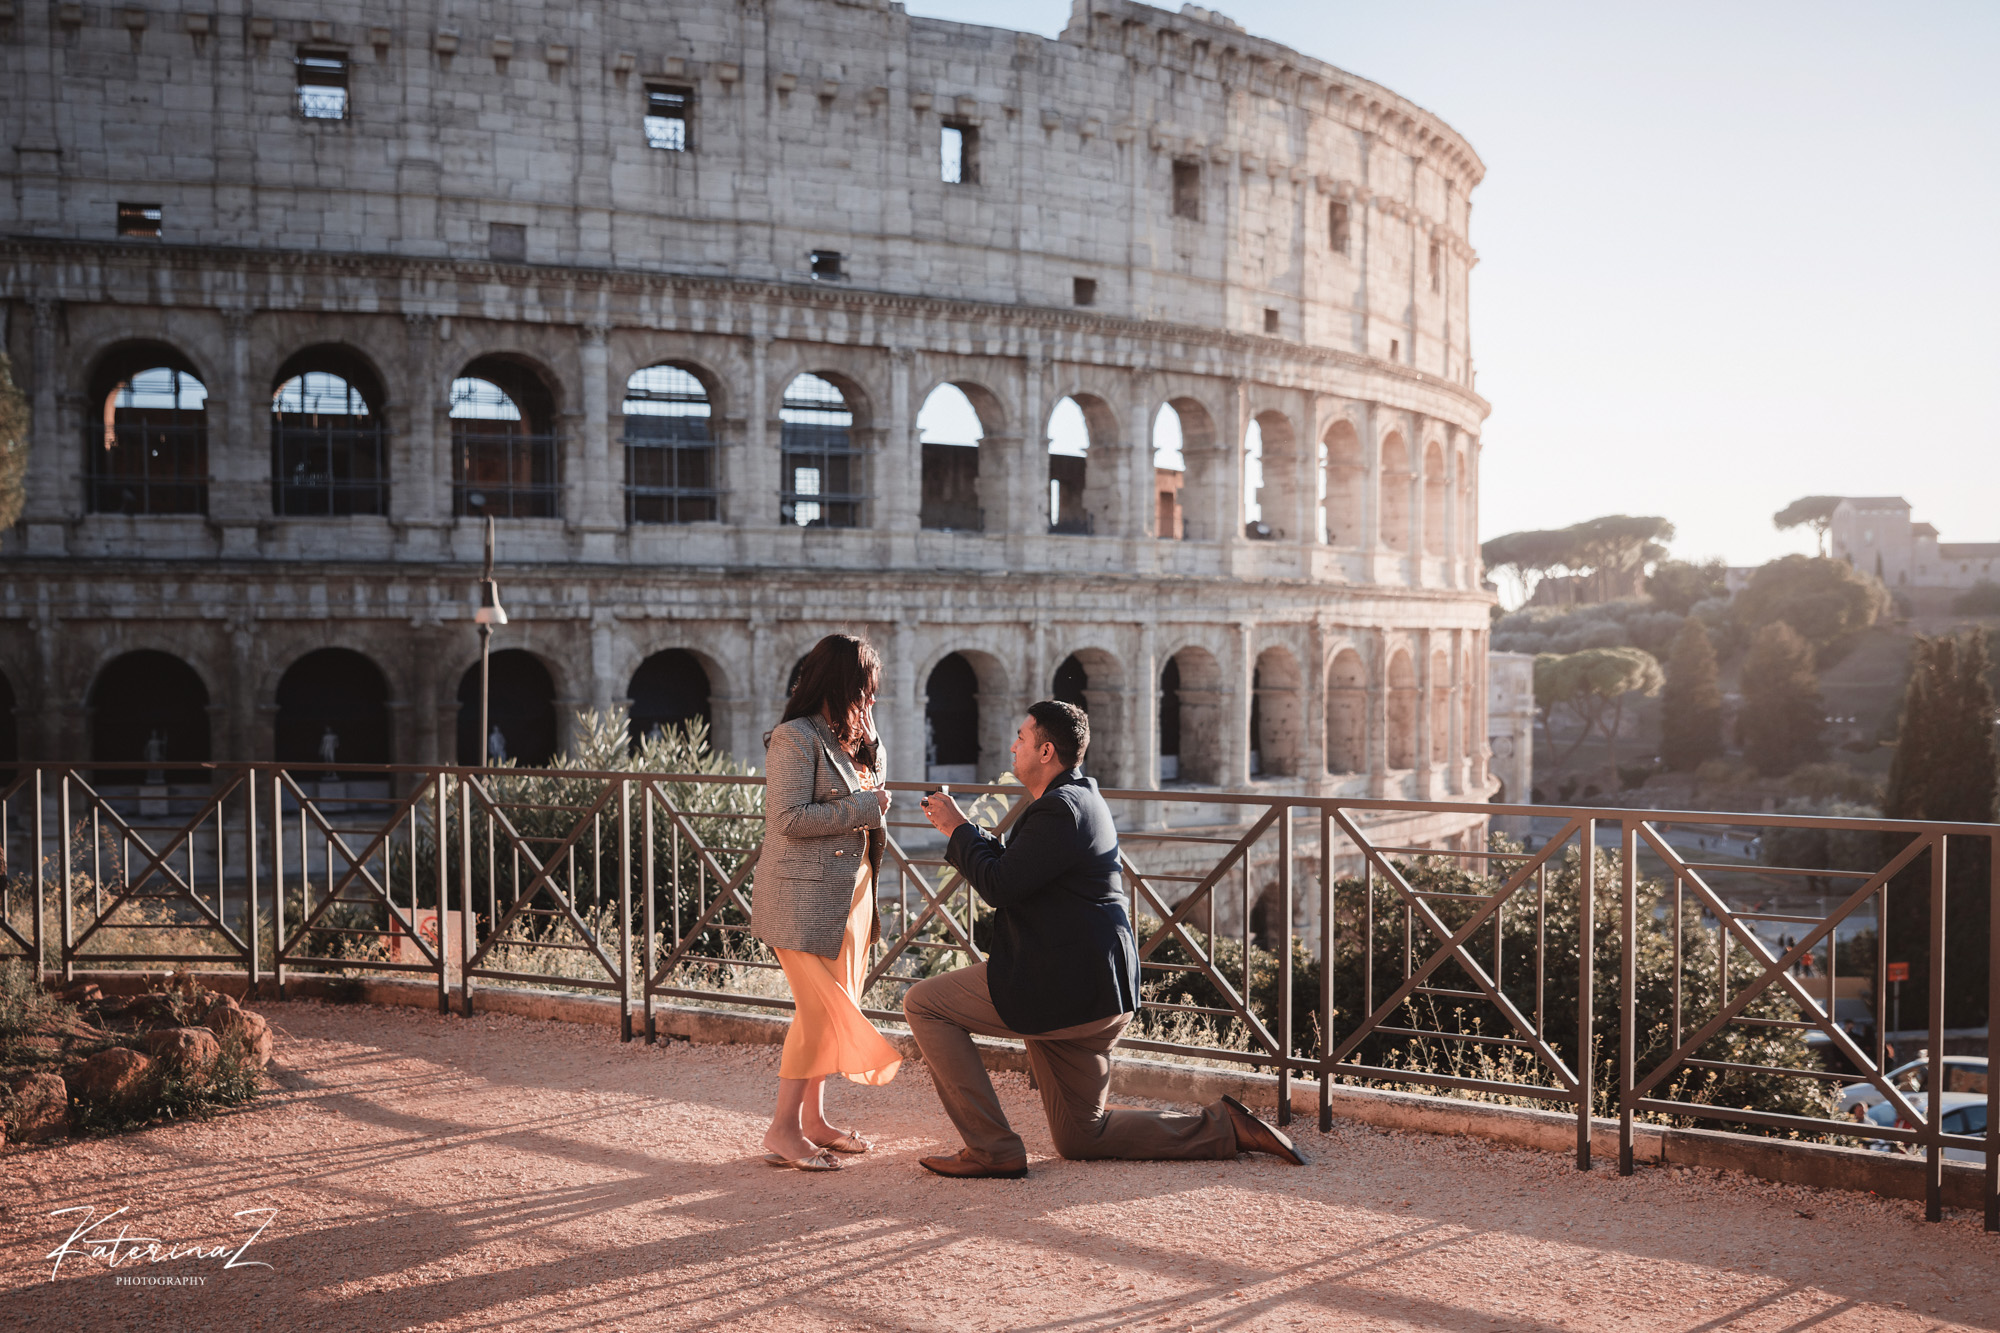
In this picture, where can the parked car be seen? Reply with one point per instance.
(1963, 1113)
(1962, 1073)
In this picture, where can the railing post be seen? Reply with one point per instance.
(41, 885)
(1628, 961)
(1327, 940)
(1934, 1090)
(278, 880)
(1992, 1032)
(464, 877)
(1586, 925)
(250, 894)
(1284, 962)
(625, 908)
(646, 862)
(443, 893)
(63, 883)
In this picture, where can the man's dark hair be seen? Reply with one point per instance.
(1064, 726)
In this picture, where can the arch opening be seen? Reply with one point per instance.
(506, 458)
(669, 689)
(949, 432)
(521, 709)
(1071, 684)
(1403, 703)
(1270, 486)
(1435, 492)
(333, 707)
(1169, 476)
(1343, 484)
(149, 706)
(819, 463)
(1070, 499)
(1275, 716)
(1093, 680)
(670, 467)
(951, 721)
(146, 444)
(1347, 714)
(1191, 718)
(1395, 493)
(329, 441)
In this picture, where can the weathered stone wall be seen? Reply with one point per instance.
(815, 126)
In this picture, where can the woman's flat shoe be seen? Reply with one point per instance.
(816, 1161)
(776, 1159)
(848, 1142)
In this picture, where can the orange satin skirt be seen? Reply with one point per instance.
(829, 1034)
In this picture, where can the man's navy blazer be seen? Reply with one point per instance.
(1062, 951)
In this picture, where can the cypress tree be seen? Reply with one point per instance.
(1945, 769)
(1782, 712)
(1691, 707)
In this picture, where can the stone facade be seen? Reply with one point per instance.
(1875, 535)
(1153, 210)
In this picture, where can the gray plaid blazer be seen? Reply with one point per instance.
(817, 827)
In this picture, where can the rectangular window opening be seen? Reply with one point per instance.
(507, 241)
(825, 264)
(958, 153)
(1395, 349)
(139, 220)
(1083, 291)
(667, 118)
(322, 85)
(1187, 190)
(1337, 233)
(1270, 320)
(1436, 266)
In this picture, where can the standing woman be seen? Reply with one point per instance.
(814, 901)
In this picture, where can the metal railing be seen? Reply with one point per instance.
(1459, 967)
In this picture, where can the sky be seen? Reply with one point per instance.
(1730, 254)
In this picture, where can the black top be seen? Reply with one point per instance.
(1062, 952)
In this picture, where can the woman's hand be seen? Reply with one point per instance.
(883, 793)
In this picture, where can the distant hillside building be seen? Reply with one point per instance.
(1875, 534)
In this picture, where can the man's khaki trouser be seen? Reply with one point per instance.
(1072, 1068)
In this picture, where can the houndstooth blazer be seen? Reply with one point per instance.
(817, 822)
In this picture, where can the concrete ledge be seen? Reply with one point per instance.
(1822, 1165)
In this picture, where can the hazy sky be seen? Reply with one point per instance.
(1730, 254)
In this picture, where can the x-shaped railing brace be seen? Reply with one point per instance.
(1779, 968)
(357, 867)
(1454, 948)
(156, 863)
(544, 873)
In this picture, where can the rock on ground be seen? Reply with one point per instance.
(187, 1053)
(436, 1173)
(39, 1109)
(115, 1077)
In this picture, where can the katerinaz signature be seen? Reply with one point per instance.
(125, 1248)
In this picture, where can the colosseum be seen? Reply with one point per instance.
(1130, 366)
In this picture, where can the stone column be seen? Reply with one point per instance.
(753, 481)
(1378, 713)
(596, 492)
(242, 736)
(1224, 519)
(1312, 680)
(239, 493)
(419, 463)
(1371, 491)
(1457, 742)
(1481, 725)
(1426, 768)
(903, 728)
(1236, 666)
(54, 481)
(1136, 519)
(1025, 504)
(607, 690)
(1144, 715)
(896, 470)
(1419, 495)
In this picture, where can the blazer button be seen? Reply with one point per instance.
(840, 853)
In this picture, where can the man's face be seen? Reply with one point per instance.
(1032, 755)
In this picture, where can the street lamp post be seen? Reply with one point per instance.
(486, 615)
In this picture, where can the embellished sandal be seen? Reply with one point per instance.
(815, 1161)
(848, 1142)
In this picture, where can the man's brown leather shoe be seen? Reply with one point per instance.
(961, 1166)
(1253, 1135)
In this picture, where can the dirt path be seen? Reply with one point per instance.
(502, 1173)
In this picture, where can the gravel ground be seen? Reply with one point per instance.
(433, 1173)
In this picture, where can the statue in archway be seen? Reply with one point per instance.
(496, 745)
(329, 745)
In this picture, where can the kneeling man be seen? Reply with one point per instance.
(1062, 973)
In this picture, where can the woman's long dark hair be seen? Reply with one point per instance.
(837, 675)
